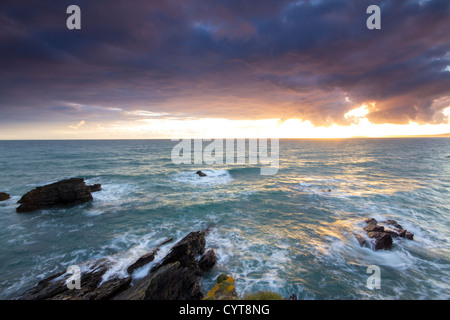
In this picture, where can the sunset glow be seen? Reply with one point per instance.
(287, 69)
(168, 128)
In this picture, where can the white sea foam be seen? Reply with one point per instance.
(212, 178)
(111, 196)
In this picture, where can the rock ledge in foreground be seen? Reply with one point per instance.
(176, 277)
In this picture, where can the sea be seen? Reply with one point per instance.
(291, 233)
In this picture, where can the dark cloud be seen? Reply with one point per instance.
(313, 60)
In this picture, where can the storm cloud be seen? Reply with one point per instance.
(312, 60)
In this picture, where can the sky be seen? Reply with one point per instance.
(223, 68)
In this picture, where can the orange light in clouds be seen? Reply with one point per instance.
(168, 128)
(274, 128)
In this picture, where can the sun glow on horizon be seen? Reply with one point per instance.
(166, 127)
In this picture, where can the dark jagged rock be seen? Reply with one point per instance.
(201, 174)
(4, 196)
(373, 227)
(65, 192)
(406, 234)
(95, 187)
(171, 281)
(55, 287)
(394, 224)
(382, 236)
(146, 258)
(176, 277)
(361, 240)
(371, 221)
(292, 297)
(207, 260)
(383, 240)
(186, 250)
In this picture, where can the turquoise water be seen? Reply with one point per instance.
(281, 233)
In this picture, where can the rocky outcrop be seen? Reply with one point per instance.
(379, 236)
(208, 260)
(176, 277)
(61, 193)
(55, 287)
(146, 258)
(4, 196)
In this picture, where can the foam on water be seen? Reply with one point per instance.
(284, 233)
(213, 178)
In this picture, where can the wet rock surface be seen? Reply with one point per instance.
(200, 173)
(379, 235)
(61, 193)
(4, 196)
(175, 277)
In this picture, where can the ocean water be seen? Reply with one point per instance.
(283, 233)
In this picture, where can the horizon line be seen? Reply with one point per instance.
(444, 135)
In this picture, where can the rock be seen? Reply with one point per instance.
(208, 260)
(406, 234)
(382, 235)
(106, 291)
(169, 282)
(223, 290)
(65, 192)
(146, 258)
(95, 187)
(393, 233)
(176, 277)
(371, 221)
(374, 234)
(221, 277)
(361, 240)
(46, 288)
(383, 241)
(292, 297)
(4, 196)
(374, 227)
(55, 286)
(201, 174)
(394, 224)
(185, 251)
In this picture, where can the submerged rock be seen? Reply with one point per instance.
(65, 192)
(201, 174)
(4, 196)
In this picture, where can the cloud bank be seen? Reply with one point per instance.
(255, 59)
